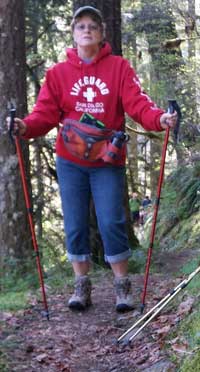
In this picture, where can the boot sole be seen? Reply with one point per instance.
(78, 306)
(123, 308)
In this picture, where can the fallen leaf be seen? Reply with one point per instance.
(142, 358)
(164, 318)
(173, 341)
(63, 367)
(163, 330)
(180, 347)
(40, 358)
(186, 306)
(5, 315)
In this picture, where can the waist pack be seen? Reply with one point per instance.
(90, 143)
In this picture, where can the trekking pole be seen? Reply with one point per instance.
(156, 309)
(29, 209)
(171, 105)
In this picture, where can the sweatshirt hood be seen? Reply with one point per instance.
(74, 59)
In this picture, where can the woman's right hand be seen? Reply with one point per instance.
(19, 127)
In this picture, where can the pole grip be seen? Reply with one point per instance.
(171, 106)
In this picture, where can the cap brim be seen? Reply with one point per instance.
(87, 9)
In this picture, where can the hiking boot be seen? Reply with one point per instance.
(82, 292)
(124, 300)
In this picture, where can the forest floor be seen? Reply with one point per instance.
(85, 341)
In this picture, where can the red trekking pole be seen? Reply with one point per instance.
(171, 108)
(29, 210)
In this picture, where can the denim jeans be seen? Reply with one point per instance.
(106, 185)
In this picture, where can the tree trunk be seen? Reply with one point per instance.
(15, 238)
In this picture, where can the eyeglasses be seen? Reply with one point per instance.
(90, 27)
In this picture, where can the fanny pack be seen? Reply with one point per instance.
(91, 143)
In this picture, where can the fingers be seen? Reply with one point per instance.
(168, 120)
(171, 120)
(19, 126)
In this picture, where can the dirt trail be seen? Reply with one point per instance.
(84, 341)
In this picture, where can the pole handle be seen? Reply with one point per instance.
(171, 106)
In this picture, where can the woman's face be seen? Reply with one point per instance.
(87, 32)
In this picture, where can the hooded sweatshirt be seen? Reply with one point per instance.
(106, 88)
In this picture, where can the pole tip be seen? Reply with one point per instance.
(142, 308)
(45, 313)
(115, 342)
(124, 343)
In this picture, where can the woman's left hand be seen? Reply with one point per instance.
(168, 120)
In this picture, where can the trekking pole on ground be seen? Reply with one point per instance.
(171, 108)
(29, 209)
(151, 314)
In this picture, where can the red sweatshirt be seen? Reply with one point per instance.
(106, 88)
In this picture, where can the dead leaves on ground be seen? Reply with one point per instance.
(71, 341)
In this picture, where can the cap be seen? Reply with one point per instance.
(87, 9)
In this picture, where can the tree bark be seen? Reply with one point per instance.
(15, 238)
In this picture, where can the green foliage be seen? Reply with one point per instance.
(17, 286)
(187, 330)
(47, 34)
(16, 281)
(16, 273)
(136, 263)
(58, 275)
(192, 364)
(188, 188)
(179, 209)
(190, 326)
(178, 222)
(3, 362)
(194, 285)
(13, 300)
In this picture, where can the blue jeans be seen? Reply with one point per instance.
(106, 186)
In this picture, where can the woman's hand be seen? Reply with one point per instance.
(168, 120)
(19, 127)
